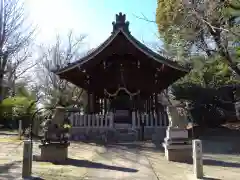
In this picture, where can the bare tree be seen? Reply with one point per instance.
(15, 38)
(60, 54)
(208, 27)
(216, 28)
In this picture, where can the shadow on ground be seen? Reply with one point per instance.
(5, 170)
(143, 146)
(212, 162)
(128, 146)
(94, 165)
(7, 166)
(210, 178)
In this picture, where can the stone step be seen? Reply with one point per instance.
(126, 138)
(126, 135)
(122, 125)
(118, 134)
(122, 131)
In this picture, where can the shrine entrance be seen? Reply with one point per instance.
(123, 80)
(121, 107)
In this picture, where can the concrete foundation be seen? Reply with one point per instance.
(54, 152)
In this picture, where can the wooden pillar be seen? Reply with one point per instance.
(133, 112)
(94, 110)
(134, 103)
(105, 105)
(141, 109)
(88, 104)
(136, 111)
(148, 111)
(100, 105)
(91, 110)
(152, 111)
(145, 106)
(96, 104)
(156, 108)
(105, 111)
(149, 104)
(93, 103)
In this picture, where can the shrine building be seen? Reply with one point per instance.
(123, 79)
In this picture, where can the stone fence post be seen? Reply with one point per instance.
(27, 159)
(19, 129)
(197, 158)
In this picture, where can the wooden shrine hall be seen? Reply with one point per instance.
(123, 79)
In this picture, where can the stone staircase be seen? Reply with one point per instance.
(124, 133)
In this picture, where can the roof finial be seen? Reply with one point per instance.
(121, 23)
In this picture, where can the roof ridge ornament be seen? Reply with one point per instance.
(120, 23)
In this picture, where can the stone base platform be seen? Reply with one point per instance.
(54, 152)
(178, 153)
(177, 146)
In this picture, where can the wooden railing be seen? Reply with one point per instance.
(150, 120)
(107, 121)
(91, 120)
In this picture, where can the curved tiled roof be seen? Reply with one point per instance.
(122, 27)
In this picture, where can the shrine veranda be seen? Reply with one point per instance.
(123, 79)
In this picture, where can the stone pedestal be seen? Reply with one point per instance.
(54, 152)
(177, 145)
(197, 158)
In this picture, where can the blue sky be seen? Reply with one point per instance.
(92, 18)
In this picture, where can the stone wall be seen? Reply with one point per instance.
(79, 134)
(156, 134)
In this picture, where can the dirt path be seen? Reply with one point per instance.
(11, 161)
(121, 163)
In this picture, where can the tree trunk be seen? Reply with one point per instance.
(1, 88)
(223, 50)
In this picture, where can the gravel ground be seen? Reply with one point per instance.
(120, 161)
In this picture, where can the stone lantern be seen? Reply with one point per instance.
(177, 145)
(55, 142)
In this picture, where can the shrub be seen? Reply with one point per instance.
(207, 108)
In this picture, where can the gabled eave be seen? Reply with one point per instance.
(89, 56)
(137, 44)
